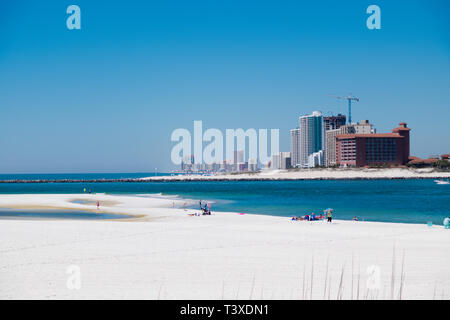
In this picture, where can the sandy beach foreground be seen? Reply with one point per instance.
(167, 254)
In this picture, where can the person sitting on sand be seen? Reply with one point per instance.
(355, 218)
(206, 211)
(294, 218)
(306, 217)
(313, 216)
(320, 217)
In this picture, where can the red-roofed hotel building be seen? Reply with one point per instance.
(359, 150)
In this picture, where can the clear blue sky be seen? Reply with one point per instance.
(107, 97)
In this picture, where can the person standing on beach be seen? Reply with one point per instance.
(329, 216)
(98, 204)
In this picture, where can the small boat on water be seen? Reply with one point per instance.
(442, 181)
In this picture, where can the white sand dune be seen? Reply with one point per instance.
(315, 174)
(170, 255)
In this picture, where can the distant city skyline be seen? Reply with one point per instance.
(107, 97)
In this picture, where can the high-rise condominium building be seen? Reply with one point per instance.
(295, 148)
(331, 125)
(311, 136)
(330, 146)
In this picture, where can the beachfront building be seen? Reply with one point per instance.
(330, 146)
(285, 160)
(242, 166)
(311, 136)
(295, 148)
(252, 165)
(275, 162)
(280, 161)
(238, 158)
(187, 163)
(363, 127)
(331, 125)
(366, 149)
(316, 159)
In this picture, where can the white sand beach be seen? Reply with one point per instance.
(167, 254)
(316, 174)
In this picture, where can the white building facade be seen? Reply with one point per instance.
(295, 148)
(311, 137)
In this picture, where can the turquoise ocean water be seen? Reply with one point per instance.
(409, 201)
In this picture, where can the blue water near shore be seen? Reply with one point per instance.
(57, 214)
(407, 201)
(79, 176)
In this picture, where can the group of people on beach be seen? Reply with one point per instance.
(206, 208)
(328, 214)
(308, 217)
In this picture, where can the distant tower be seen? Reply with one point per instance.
(311, 136)
(295, 147)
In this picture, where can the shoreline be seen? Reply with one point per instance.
(315, 174)
(274, 175)
(149, 208)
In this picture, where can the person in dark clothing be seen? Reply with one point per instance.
(329, 216)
